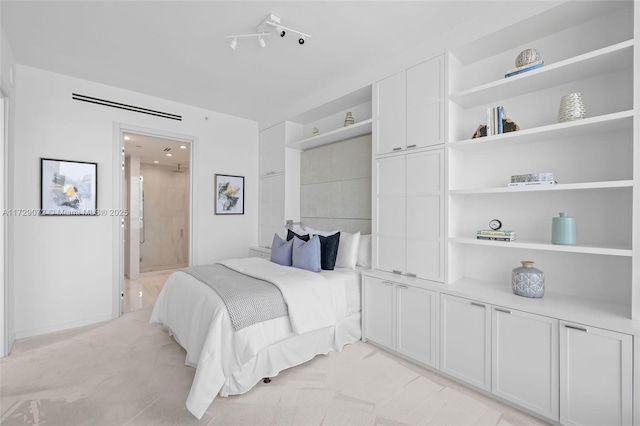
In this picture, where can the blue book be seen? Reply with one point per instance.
(532, 67)
(500, 118)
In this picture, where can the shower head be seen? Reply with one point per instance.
(178, 171)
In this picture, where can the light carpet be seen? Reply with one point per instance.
(127, 372)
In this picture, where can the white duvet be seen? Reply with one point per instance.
(199, 321)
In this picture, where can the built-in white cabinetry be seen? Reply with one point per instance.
(379, 311)
(596, 376)
(409, 214)
(400, 317)
(279, 185)
(569, 356)
(525, 360)
(465, 340)
(409, 108)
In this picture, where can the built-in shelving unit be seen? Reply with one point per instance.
(328, 119)
(581, 67)
(592, 161)
(337, 135)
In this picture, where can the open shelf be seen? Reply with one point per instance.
(557, 187)
(343, 133)
(540, 245)
(590, 312)
(602, 61)
(600, 124)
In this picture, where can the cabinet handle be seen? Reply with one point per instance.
(478, 304)
(573, 327)
(398, 148)
(387, 283)
(411, 275)
(506, 311)
(397, 272)
(411, 146)
(403, 286)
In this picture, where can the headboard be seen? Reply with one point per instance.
(335, 186)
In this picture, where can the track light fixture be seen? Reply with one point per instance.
(261, 31)
(234, 41)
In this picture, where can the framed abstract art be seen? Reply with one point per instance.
(68, 188)
(229, 194)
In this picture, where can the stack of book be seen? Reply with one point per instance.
(524, 68)
(532, 179)
(495, 235)
(495, 116)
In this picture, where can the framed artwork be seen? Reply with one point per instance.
(68, 188)
(229, 194)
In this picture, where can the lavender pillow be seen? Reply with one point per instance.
(306, 255)
(281, 251)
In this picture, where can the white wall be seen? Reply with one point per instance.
(7, 62)
(64, 268)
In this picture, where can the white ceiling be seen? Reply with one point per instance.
(176, 49)
(151, 149)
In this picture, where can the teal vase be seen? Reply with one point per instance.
(563, 230)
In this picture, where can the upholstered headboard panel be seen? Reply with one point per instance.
(335, 186)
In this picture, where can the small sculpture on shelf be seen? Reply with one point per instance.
(527, 60)
(348, 120)
(508, 125)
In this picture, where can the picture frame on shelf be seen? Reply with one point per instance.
(229, 194)
(68, 188)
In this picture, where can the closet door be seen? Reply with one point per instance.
(525, 360)
(391, 214)
(596, 376)
(416, 323)
(425, 108)
(272, 148)
(271, 220)
(378, 311)
(390, 113)
(425, 210)
(465, 340)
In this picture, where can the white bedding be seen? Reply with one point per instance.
(231, 362)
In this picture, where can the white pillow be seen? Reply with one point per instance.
(364, 251)
(322, 233)
(348, 250)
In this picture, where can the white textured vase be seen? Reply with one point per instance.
(571, 108)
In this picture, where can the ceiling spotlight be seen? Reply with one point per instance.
(301, 40)
(261, 30)
(127, 138)
(261, 41)
(183, 146)
(155, 162)
(234, 43)
(169, 154)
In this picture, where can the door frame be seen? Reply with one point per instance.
(5, 333)
(119, 201)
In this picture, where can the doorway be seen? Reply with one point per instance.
(157, 188)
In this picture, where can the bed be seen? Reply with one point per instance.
(323, 316)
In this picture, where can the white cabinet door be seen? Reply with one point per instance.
(596, 386)
(390, 214)
(425, 92)
(390, 113)
(465, 340)
(425, 211)
(417, 323)
(379, 312)
(271, 218)
(272, 150)
(525, 360)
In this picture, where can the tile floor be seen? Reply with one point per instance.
(143, 292)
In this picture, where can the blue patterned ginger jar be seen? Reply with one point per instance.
(527, 281)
